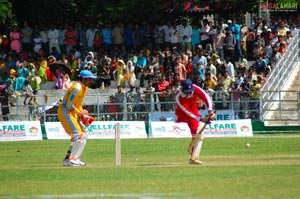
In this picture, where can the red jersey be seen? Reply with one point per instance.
(187, 107)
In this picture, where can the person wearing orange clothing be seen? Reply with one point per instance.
(69, 113)
(187, 101)
(70, 36)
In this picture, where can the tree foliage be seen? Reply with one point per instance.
(61, 11)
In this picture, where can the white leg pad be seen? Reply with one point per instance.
(78, 147)
(197, 149)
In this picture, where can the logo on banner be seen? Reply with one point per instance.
(176, 129)
(33, 131)
(244, 129)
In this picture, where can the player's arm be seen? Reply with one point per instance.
(72, 98)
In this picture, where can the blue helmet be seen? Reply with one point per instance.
(187, 86)
(87, 74)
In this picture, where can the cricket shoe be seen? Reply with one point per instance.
(196, 161)
(71, 162)
(81, 163)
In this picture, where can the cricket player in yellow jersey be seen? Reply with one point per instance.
(69, 113)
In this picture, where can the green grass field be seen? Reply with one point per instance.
(154, 169)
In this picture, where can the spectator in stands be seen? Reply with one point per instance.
(137, 104)
(254, 98)
(149, 97)
(229, 44)
(250, 38)
(33, 106)
(139, 69)
(162, 87)
(244, 90)
(218, 43)
(15, 37)
(70, 36)
(4, 96)
(26, 37)
(235, 99)
(53, 35)
(119, 99)
(170, 98)
(27, 92)
(221, 97)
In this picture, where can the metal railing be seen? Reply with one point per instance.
(279, 80)
(104, 107)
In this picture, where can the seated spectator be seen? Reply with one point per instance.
(129, 76)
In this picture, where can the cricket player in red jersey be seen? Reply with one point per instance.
(187, 101)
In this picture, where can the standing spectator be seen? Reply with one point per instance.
(4, 96)
(107, 38)
(120, 99)
(128, 33)
(170, 98)
(15, 37)
(165, 28)
(149, 97)
(37, 42)
(33, 106)
(235, 99)
(254, 97)
(158, 36)
(218, 43)
(245, 98)
(174, 36)
(250, 38)
(45, 40)
(196, 29)
(244, 32)
(61, 38)
(118, 35)
(236, 30)
(26, 35)
(229, 44)
(27, 91)
(148, 35)
(162, 87)
(221, 97)
(137, 100)
(138, 37)
(53, 35)
(70, 36)
(205, 37)
(98, 41)
(90, 36)
(185, 32)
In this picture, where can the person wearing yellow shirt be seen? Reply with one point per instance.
(69, 112)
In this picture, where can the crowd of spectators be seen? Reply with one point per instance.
(225, 57)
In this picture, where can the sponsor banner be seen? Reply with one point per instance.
(100, 130)
(20, 130)
(169, 129)
(170, 116)
(229, 128)
(288, 5)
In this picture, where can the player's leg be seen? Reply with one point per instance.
(73, 128)
(78, 147)
(196, 145)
